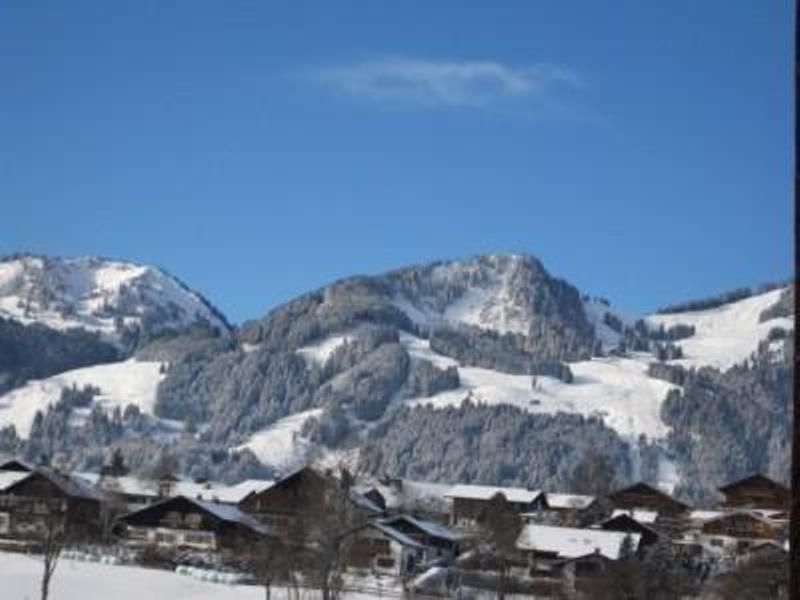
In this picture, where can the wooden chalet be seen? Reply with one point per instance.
(438, 541)
(31, 502)
(187, 523)
(382, 549)
(739, 530)
(469, 502)
(626, 522)
(643, 496)
(756, 491)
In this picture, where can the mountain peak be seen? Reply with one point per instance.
(98, 294)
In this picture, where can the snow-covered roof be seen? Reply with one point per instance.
(149, 488)
(416, 495)
(565, 501)
(485, 492)
(637, 514)
(429, 527)
(705, 515)
(569, 542)
(9, 478)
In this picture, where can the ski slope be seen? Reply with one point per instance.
(726, 335)
(120, 383)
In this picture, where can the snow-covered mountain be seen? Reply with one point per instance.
(105, 296)
(495, 346)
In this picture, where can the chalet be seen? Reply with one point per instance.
(546, 542)
(756, 491)
(632, 522)
(438, 541)
(383, 549)
(33, 501)
(187, 523)
(643, 496)
(739, 530)
(470, 502)
(299, 494)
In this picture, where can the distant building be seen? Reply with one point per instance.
(756, 491)
(643, 496)
(470, 501)
(187, 523)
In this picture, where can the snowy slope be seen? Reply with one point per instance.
(725, 335)
(321, 351)
(618, 389)
(121, 383)
(98, 295)
(280, 445)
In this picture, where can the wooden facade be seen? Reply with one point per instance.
(644, 496)
(742, 525)
(185, 523)
(43, 499)
(300, 493)
(756, 491)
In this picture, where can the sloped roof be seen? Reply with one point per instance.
(429, 527)
(755, 479)
(644, 488)
(399, 536)
(570, 542)
(9, 478)
(225, 512)
(486, 492)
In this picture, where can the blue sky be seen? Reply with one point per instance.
(641, 149)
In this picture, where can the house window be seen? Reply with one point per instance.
(385, 563)
(40, 507)
(194, 520)
(5, 523)
(198, 538)
(163, 537)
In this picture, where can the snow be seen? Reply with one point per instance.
(64, 293)
(595, 313)
(485, 492)
(488, 302)
(79, 580)
(617, 389)
(280, 445)
(9, 478)
(568, 500)
(641, 516)
(120, 383)
(320, 352)
(726, 335)
(416, 496)
(568, 542)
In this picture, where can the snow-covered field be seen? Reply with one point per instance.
(121, 383)
(20, 576)
(320, 352)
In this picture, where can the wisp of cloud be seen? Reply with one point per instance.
(420, 83)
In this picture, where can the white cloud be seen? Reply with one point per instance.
(419, 83)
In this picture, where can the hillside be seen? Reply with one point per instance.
(488, 370)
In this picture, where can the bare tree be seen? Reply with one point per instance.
(270, 561)
(501, 525)
(53, 535)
